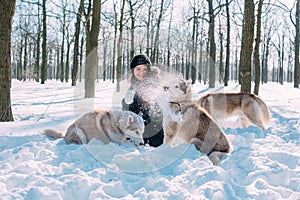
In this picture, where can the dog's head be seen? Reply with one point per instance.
(179, 90)
(134, 127)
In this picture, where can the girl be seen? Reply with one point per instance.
(137, 99)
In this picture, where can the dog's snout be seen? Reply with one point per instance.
(166, 88)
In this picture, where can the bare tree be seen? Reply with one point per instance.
(297, 40)
(266, 52)
(7, 9)
(76, 42)
(119, 46)
(247, 46)
(134, 6)
(69, 42)
(213, 12)
(226, 75)
(44, 45)
(19, 64)
(105, 36)
(92, 33)
(194, 40)
(148, 26)
(221, 66)
(115, 25)
(36, 71)
(62, 46)
(25, 59)
(147, 19)
(156, 40)
(169, 35)
(256, 48)
(212, 45)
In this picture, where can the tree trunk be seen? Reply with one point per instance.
(81, 58)
(36, 70)
(256, 48)
(266, 61)
(132, 17)
(227, 62)
(76, 43)
(156, 40)
(7, 8)
(57, 75)
(221, 66)
(119, 47)
(25, 58)
(297, 40)
(281, 78)
(148, 35)
(212, 46)
(115, 43)
(169, 35)
(20, 66)
(44, 45)
(206, 65)
(92, 50)
(290, 70)
(194, 42)
(62, 51)
(200, 73)
(247, 46)
(68, 60)
(105, 66)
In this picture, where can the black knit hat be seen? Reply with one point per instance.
(140, 59)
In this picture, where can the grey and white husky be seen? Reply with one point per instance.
(105, 125)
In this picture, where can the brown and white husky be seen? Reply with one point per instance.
(248, 107)
(105, 125)
(195, 125)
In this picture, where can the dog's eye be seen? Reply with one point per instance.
(177, 86)
(137, 132)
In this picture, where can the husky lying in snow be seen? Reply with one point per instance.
(195, 126)
(248, 107)
(105, 125)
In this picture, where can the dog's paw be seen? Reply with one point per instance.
(215, 157)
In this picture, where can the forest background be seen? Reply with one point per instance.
(212, 42)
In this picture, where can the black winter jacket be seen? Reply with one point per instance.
(153, 119)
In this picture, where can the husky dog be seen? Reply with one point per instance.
(248, 107)
(105, 125)
(195, 126)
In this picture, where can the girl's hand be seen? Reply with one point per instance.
(129, 96)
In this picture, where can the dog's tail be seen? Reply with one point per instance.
(266, 116)
(53, 134)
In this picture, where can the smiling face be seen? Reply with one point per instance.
(140, 72)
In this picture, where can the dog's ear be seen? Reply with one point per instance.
(130, 120)
(180, 77)
(189, 82)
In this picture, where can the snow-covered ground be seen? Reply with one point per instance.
(262, 165)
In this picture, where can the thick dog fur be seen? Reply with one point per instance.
(105, 125)
(196, 126)
(248, 107)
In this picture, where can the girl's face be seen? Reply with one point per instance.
(140, 72)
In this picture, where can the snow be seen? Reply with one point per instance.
(262, 164)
